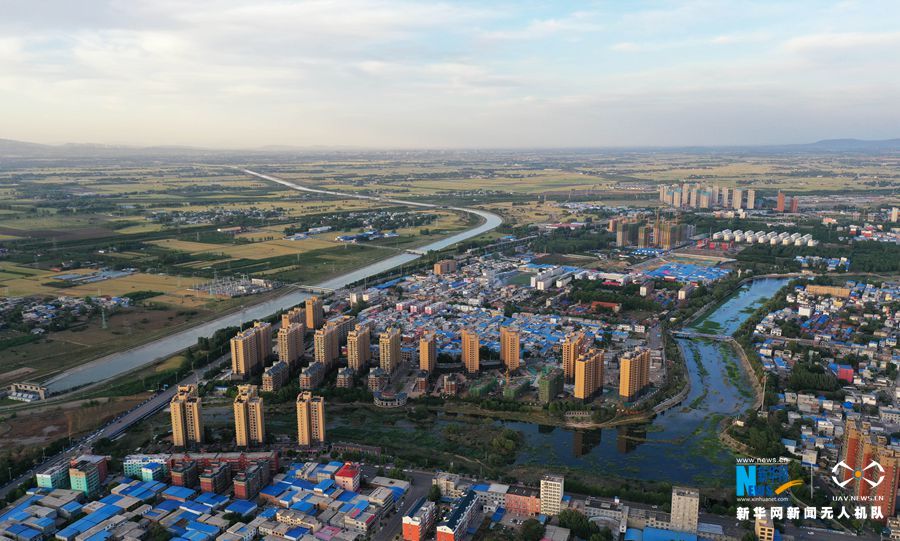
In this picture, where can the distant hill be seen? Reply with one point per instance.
(10, 146)
(855, 145)
(20, 152)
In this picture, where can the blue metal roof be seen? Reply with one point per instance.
(241, 507)
(178, 492)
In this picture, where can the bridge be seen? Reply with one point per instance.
(691, 334)
(313, 289)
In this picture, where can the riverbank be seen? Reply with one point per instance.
(117, 364)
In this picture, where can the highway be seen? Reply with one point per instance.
(113, 428)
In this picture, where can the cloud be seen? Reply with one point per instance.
(404, 72)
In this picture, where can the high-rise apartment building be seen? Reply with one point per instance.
(389, 350)
(315, 315)
(186, 413)
(264, 341)
(779, 205)
(795, 205)
(751, 199)
(572, 348)
(294, 315)
(244, 353)
(359, 348)
(685, 509)
(310, 419)
(471, 354)
(552, 487)
(737, 199)
(290, 342)
(249, 420)
(861, 447)
(427, 352)
(509, 348)
(250, 348)
(326, 346)
(550, 385)
(634, 373)
(588, 373)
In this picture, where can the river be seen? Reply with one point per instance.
(119, 363)
(680, 446)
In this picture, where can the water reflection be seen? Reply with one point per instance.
(584, 441)
(628, 438)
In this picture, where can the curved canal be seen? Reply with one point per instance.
(119, 363)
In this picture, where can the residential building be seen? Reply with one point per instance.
(275, 376)
(458, 521)
(737, 200)
(779, 205)
(344, 378)
(294, 315)
(550, 385)
(53, 477)
(510, 341)
(471, 354)
(751, 199)
(589, 373)
(325, 345)
(185, 474)
(249, 420)
(310, 419)
(862, 447)
(377, 379)
(634, 373)
(186, 413)
(389, 350)
(418, 521)
(572, 348)
(427, 353)
(215, 478)
(359, 348)
(523, 501)
(764, 527)
(348, 477)
(87, 473)
(552, 487)
(445, 266)
(312, 376)
(685, 509)
(290, 343)
(315, 315)
(245, 353)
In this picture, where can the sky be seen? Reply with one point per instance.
(421, 74)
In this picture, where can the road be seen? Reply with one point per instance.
(420, 484)
(113, 428)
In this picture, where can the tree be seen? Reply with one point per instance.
(434, 493)
(532, 530)
(579, 524)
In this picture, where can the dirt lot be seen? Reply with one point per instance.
(42, 425)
